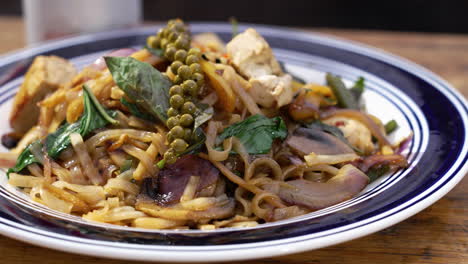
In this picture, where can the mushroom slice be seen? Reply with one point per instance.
(305, 141)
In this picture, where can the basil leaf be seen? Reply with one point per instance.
(127, 164)
(197, 142)
(136, 111)
(358, 88)
(376, 172)
(94, 117)
(257, 133)
(142, 83)
(155, 52)
(26, 158)
(202, 116)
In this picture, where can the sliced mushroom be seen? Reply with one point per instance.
(173, 179)
(305, 141)
(317, 195)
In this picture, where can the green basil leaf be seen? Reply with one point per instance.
(142, 83)
(203, 115)
(26, 158)
(136, 111)
(127, 164)
(257, 133)
(94, 117)
(375, 173)
(358, 88)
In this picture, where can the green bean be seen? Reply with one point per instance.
(391, 126)
(358, 88)
(343, 95)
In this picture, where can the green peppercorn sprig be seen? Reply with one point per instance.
(174, 40)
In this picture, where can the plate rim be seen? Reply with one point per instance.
(414, 69)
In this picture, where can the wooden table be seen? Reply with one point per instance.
(439, 234)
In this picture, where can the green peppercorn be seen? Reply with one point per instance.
(170, 137)
(195, 67)
(172, 112)
(178, 26)
(177, 132)
(172, 121)
(179, 145)
(184, 72)
(189, 108)
(160, 32)
(187, 134)
(182, 42)
(175, 66)
(170, 157)
(175, 89)
(180, 55)
(170, 45)
(164, 32)
(189, 87)
(153, 42)
(164, 42)
(186, 120)
(199, 79)
(169, 52)
(173, 35)
(177, 79)
(194, 51)
(191, 59)
(176, 101)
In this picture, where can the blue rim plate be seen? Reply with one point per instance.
(422, 103)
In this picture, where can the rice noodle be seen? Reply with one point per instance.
(113, 134)
(88, 193)
(85, 160)
(35, 170)
(145, 159)
(272, 164)
(24, 181)
(273, 200)
(212, 132)
(190, 189)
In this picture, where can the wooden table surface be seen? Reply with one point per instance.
(439, 234)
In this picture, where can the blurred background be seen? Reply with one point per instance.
(410, 15)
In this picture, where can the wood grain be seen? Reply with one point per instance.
(439, 234)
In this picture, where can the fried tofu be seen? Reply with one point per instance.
(46, 74)
(253, 58)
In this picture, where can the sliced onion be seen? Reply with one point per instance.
(100, 64)
(379, 160)
(317, 195)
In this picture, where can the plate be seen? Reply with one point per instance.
(396, 89)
